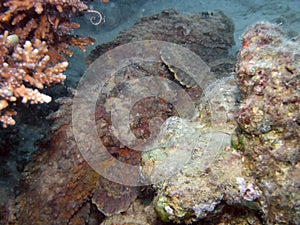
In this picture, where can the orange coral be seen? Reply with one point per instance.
(35, 33)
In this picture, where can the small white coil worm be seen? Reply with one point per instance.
(97, 17)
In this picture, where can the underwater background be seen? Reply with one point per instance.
(252, 177)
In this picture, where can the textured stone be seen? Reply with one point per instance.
(209, 35)
(267, 73)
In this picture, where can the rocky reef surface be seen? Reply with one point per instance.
(267, 73)
(58, 185)
(214, 177)
(208, 34)
(236, 161)
(258, 172)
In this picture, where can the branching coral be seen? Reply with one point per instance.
(35, 33)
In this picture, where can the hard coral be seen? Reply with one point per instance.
(34, 35)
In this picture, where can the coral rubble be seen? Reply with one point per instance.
(267, 73)
(34, 36)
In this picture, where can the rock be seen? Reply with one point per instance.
(199, 174)
(209, 35)
(267, 73)
(139, 213)
(259, 170)
(58, 184)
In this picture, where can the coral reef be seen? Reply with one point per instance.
(34, 36)
(58, 185)
(258, 171)
(235, 164)
(214, 177)
(65, 188)
(267, 73)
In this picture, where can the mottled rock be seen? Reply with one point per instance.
(56, 184)
(209, 35)
(267, 73)
(263, 177)
(113, 198)
(139, 213)
(59, 185)
(209, 176)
